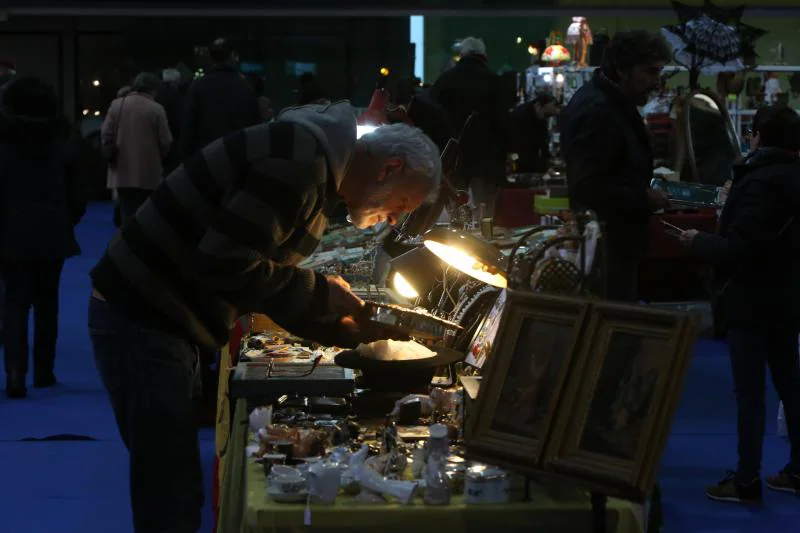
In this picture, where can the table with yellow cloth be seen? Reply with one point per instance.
(245, 507)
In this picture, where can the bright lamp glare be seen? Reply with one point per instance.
(363, 130)
(467, 264)
(403, 287)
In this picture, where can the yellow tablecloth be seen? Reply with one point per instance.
(245, 507)
(564, 512)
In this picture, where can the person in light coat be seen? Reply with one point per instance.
(137, 125)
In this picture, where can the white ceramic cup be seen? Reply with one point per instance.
(286, 479)
(324, 481)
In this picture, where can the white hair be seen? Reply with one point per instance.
(472, 46)
(171, 75)
(419, 153)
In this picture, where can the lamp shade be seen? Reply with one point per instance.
(412, 274)
(468, 254)
(555, 53)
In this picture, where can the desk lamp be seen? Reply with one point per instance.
(468, 254)
(412, 274)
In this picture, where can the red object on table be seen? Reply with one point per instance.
(514, 208)
(670, 273)
(665, 246)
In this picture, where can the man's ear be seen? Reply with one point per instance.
(392, 165)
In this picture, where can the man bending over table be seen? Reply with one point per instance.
(219, 239)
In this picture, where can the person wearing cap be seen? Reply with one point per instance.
(472, 88)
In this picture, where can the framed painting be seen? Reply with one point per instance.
(523, 379)
(623, 390)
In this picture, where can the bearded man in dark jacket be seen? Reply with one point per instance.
(756, 256)
(609, 158)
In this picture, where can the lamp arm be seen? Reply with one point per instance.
(580, 239)
(525, 236)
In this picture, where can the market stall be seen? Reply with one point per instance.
(250, 509)
(418, 426)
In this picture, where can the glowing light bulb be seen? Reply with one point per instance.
(384, 71)
(467, 264)
(85, 112)
(519, 40)
(532, 50)
(559, 78)
(96, 83)
(403, 287)
(548, 78)
(363, 130)
(97, 113)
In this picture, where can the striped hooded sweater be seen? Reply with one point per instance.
(220, 236)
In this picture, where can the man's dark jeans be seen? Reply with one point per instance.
(152, 379)
(752, 350)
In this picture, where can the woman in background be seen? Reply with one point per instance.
(41, 201)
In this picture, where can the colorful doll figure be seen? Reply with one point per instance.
(579, 35)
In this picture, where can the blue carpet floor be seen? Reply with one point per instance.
(81, 486)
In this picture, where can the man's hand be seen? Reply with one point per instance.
(657, 199)
(341, 300)
(687, 237)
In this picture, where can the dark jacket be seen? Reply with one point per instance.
(756, 254)
(431, 118)
(531, 139)
(219, 103)
(713, 151)
(42, 198)
(609, 159)
(171, 99)
(470, 87)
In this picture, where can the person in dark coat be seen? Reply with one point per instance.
(531, 126)
(309, 90)
(756, 257)
(423, 112)
(170, 95)
(217, 104)
(41, 201)
(469, 88)
(608, 155)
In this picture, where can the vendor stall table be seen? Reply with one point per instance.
(669, 273)
(247, 509)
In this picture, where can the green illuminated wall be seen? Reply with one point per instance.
(499, 34)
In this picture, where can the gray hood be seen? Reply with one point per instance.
(334, 125)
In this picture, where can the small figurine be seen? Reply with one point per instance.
(579, 35)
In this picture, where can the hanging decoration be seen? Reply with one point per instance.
(579, 35)
(555, 53)
(710, 39)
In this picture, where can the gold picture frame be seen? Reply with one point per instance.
(617, 408)
(524, 378)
